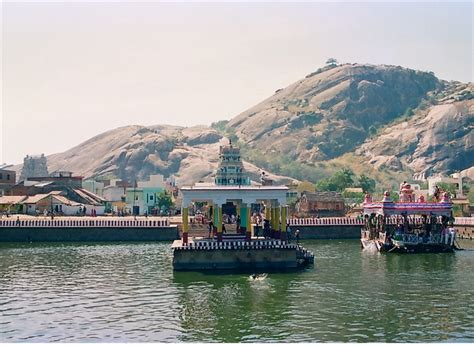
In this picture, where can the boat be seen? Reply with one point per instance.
(408, 226)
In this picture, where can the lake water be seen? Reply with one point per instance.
(129, 293)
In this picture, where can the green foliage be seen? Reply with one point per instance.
(164, 201)
(230, 133)
(305, 186)
(372, 130)
(331, 61)
(355, 197)
(451, 188)
(408, 113)
(305, 120)
(394, 196)
(282, 164)
(344, 178)
(338, 182)
(470, 196)
(326, 185)
(367, 184)
(220, 126)
(457, 210)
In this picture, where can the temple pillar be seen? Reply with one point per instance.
(243, 216)
(238, 216)
(184, 215)
(248, 232)
(284, 212)
(277, 222)
(219, 223)
(268, 211)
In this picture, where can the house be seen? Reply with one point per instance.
(11, 204)
(38, 185)
(353, 190)
(323, 203)
(93, 186)
(60, 183)
(52, 201)
(142, 198)
(7, 181)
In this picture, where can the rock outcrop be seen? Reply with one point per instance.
(389, 117)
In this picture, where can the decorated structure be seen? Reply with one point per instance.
(232, 185)
(408, 226)
(230, 170)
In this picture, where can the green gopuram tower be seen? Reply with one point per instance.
(230, 170)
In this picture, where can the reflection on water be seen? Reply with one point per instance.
(128, 292)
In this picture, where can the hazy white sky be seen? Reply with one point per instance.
(73, 70)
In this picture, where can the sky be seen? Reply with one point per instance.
(72, 70)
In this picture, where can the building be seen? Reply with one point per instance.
(143, 197)
(114, 192)
(323, 203)
(11, 204)
(353, 190)
(230, 170)
(455, 179)
(36, 185)
(36, 189)
(34, 166)
(93, 186)
(232, 193)
(7, 181)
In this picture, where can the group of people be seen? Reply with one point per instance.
(257, 228)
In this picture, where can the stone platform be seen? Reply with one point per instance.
(231, 254)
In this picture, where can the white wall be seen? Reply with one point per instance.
(156, 180)
(113, 193)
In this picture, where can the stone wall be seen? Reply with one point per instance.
(268, 259)
(328, 232)
(90, 234)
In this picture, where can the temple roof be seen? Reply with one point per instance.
(390, 208)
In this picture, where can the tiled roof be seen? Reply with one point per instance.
(12, 199)
(65, 200)
(35, 198)
(324, 196)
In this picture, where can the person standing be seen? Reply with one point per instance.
(288, 232)
(297, 236)
(237, 227)
(211, 228)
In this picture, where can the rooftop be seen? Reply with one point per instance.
(213, 187)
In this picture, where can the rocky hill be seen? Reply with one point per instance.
(383, 117)
(372, 118)
(135, 152)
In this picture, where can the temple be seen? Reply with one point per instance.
(232, 189)
(230, 170)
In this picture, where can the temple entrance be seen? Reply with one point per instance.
(229, 209)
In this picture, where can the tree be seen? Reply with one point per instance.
(343, 178)
(372, 130)
(164, 201)
(447, 187)
(305, 186)
(367, 184)
(326, 185)
(331, 62)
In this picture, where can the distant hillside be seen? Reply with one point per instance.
(385, 121)
(135, 152)
(371, 118)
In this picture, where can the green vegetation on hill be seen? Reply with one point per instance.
(346, 178)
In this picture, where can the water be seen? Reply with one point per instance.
(129, 293)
